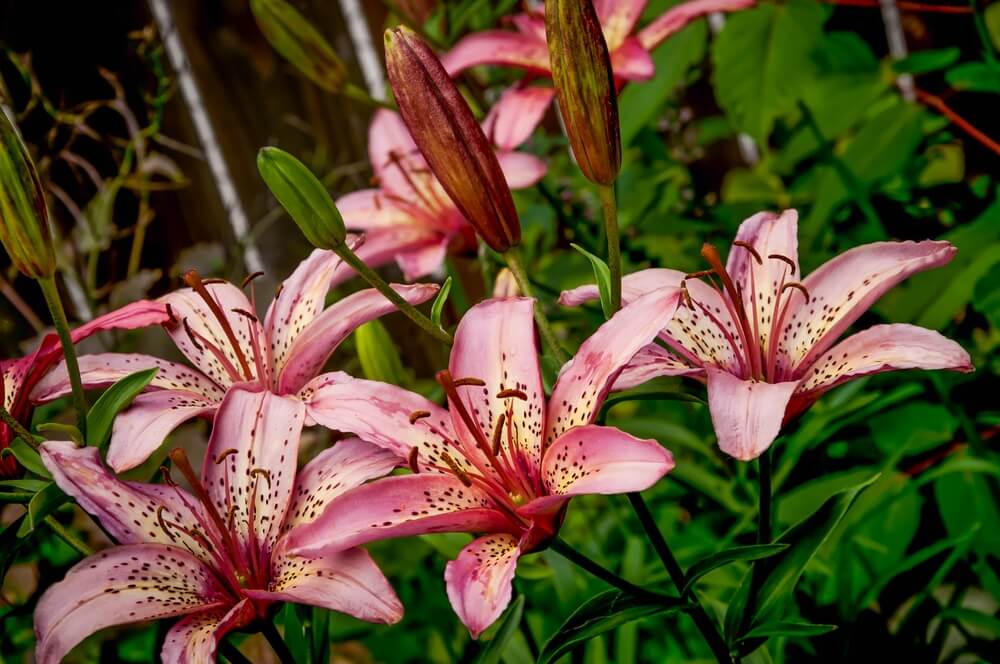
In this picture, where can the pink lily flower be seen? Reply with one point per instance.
(409, 217)
(519, 111)
(764, 342)
(18, 377)
(502, 459)
(217, 556)
(213, 323)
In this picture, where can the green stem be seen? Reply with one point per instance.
(232, 653)
(764, 520)
(51, 293)
(68, 536)
(352, 91)
(610, 209)
(702, 620)
(604, 574)
(17, 427)
(513, 259)
(277, 643)
(381, 286)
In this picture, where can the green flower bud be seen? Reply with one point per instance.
(585, 87)
(24, 217)
(452, 142)
(304, 197)
(300, 43)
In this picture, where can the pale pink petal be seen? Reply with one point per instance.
(140, 429)
(104, 369)
(346, 581)
(421, 261)
(634, 286)
(844, 287)
(515, 116)
(210, 350)
(676, 18)
(498, 47)
(506, 285)
(381, 247)
(521, 169)
(250, 462)
(531, 24)
(397, 507)
(130, 317)
(130, 512)
(392, 151)
(314, 345)
(195, 639)
(495, 343)
(746, 414)
(385, 415)
(632, 62)
(123, 584)
(587, 378)
(348, 464)
(618, 18)
(651, 362)
(370, 208)
(876, 350)
(479, 581)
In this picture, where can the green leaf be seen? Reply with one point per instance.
(114, 400)
(791, 629)
(716, 560)
(982, 624)
(300, 43)
(762, 61)
(493, 649)
(975, 77)
(24, 485)
(922, 62)
(438, 306)
(378, 354)
(602, 274)
(28, 457)
(294, 633)
(601, 614)
(44, 503)
(991, 17)
(945, 165)
(69, 430)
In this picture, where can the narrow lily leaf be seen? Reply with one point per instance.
(790, 629)
(300, 43)
(378, 354)
(602, 274)
(717, 560)
(44, 503)
(114, 400)
(294, 633)
(600, 614)
(439, 302)
(24, 485)
(27, 457)
(979, 621)
(69, 430)
(494, 648)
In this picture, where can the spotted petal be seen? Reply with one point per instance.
(746, 414)
(682, 14)
(195, 639)
(651, 362)
(122, 585)
(479, 581)
(499, 47)
(516, 115)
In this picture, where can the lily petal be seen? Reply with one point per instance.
(384, 245)
(479, 581)
(514, 118)
(195, 639)
(680, 15)
(498, 47)
(346, 581)
(521, 169)
(130, 317)
(423, 260)
(314, 345)
(104, 590)
(371, 208)
(632, 62)
(651, 362)
(588, 377)
(397, 507)
(844, 287)
(747, 415)
(618, 18)
(393, 153)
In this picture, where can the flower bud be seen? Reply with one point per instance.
(300, 43)
(452, 142)
(24, 217)
(304, 198)
(585, 87)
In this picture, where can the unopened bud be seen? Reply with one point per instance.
(303, 196)
(300, 43)
(452, 142)
(585, 87)
(24, 217)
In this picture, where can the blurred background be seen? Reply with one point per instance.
(144, 119)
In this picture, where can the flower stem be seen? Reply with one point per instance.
(764, 519)
(352, 91)
(51, 293)
(702, 620)
(565, 550)
(610, 210)
(513, 259)
(17, 427)
(68, 536)
(277, 643)
(381, 286)
(232, 653)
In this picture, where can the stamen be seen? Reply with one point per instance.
(411, 460)
(261, 471)
(472, 382)
(163, 522)
(190, 335)
(167, 479)
(686, 295)
(497, 434)
(711, 254)
(748, 247)
(250, 277)
(784, 259)
(192, 279)
(397, 160)
(223, 455)
(277, 291)
(245, 314)
(796, 285)
(213, 280)
(170, 314)
(462, 476)
(418, 415)
(378, 202)
(699, 274)
(510, 393)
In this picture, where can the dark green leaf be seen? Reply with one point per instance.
(975, 77)
(494, 648)
(438, 306)
(603, 277)
(922, 62)
(294, 633)
(24, 485)
(27, 457)
(44, 503)
(114, 400)
(716, 560)
(792, 629)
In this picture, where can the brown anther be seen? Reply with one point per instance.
(462, 476)
(277, 291)
(784, 259)
(160, 509)
(230, 514)
(749, 247)
(378, 202)
(213, 280)
(245, 314)
(250, 277)
(190, 335)
(223, 455)
(472, 382)
(192, 279)
(167, 479)
(686, 295)
(261, 471)
(411, 460)
(699, 274)
(418, 415)
(511, 393)
(797, 286)
(498, 435)
(170, 314)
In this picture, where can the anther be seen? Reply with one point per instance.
(167, 479)
(170, 314)
(277, 291)
(749, 247)
(498, 435)
(686, 295)
(244, 313)
(224, 454)
(411, 460)
(699, 274)
(196, 283)
(261, 471)
(250, 277)
(213, 280)
(418, 415)
(784, 259)
(190, 335)
(462, 476)
(163, 522)
(516, 394)
(796, 285)
(473, 382)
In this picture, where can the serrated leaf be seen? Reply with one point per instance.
(601, 614)
(114, 400)
(507, 627)
(602, 275)
(439, 301)
(716, 560)
(28, 457)
(791, 629)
